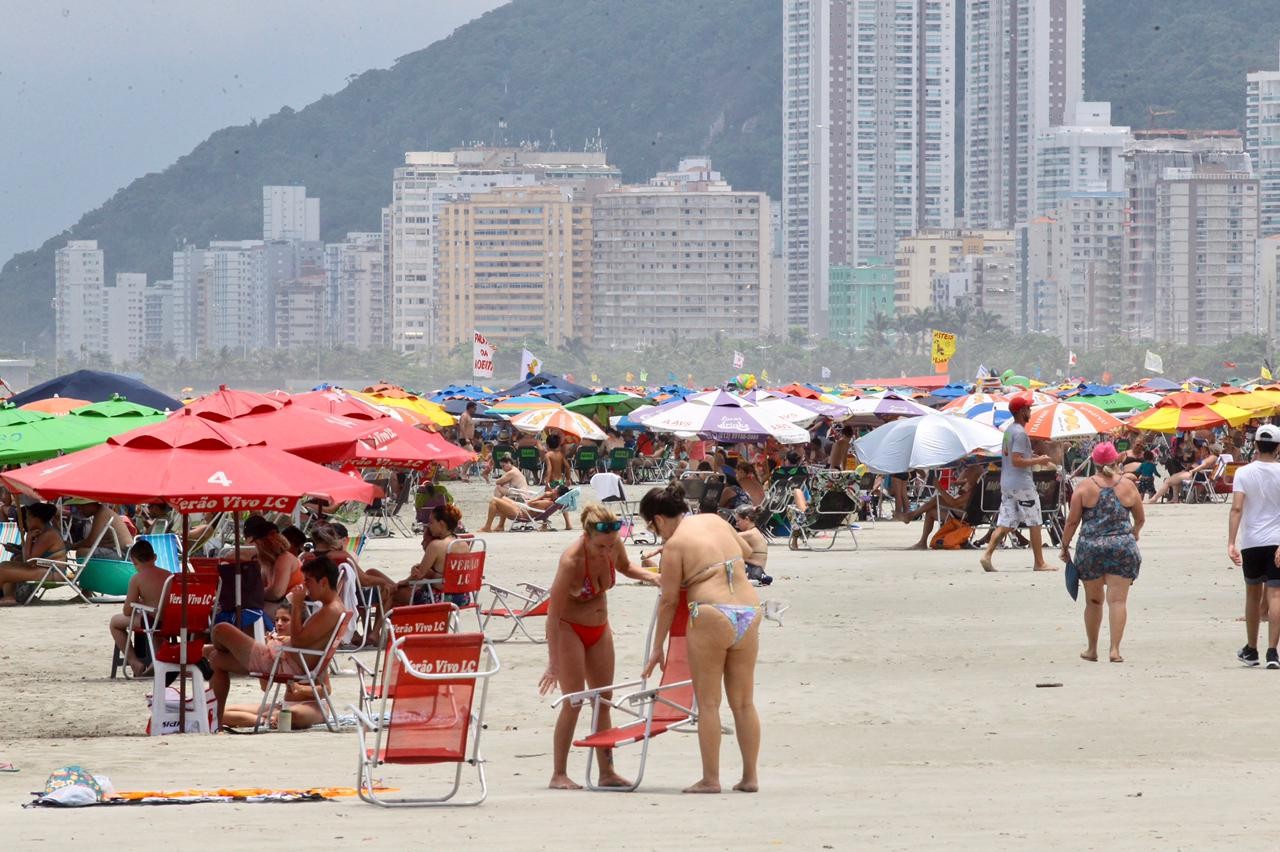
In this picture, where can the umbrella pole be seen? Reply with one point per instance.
(182, 652)
(236, 539)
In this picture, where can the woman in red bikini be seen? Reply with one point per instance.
(579, 642)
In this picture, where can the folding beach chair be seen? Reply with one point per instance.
(70, 572)
(168, 550)
(1203, 487)
(419, 620)
(832, 509)
(432, 713)
(530, 519)
(586, 461)
(382, 518)
(532, 602)
(1049, 489)
(670, 706)
(462, 580)
(171, 640)
(609, 491)
(529, 460)
(620, 461)
(314, 664)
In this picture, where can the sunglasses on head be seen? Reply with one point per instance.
(607, 526)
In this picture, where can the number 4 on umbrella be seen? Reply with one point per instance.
(220, 478)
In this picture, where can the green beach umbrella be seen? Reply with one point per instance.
(28, 438)
(599, 407)
(116, 416)
(1116, 402)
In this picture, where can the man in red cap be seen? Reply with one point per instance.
(1019, 502)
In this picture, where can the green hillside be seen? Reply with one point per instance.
(657, 79)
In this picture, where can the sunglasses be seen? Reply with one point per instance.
(607, 526)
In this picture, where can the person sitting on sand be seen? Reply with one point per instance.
(503, 509)
(705, 556)
(145, 587)
(957, 505)
(512, 479)
(579, 641)
(746, 522)
(232, 651)
(40, 540)
(299, 699)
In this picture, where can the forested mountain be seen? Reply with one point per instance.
(656, 80)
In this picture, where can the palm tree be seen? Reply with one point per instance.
(876, 334)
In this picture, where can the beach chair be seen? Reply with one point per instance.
(85, 575)
(531, 519)
(670, 706)
(168, 550)
(620, 461)
(610, 491)
(314, 664)
(432, 713)
(832, 508)
(507, 604)
(529, 460)
(177, 645)
(382, 517)
(462, 581)
(1049, 489)
(586, 461)
(419, 620)
(1203, 488)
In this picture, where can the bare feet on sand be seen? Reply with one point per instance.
(919, 545)
(484, 529)
(704, 786)
(1044, 568)
(985, 562)
(613, 780)
(1091, 656)
(563, 782)
(745, 786)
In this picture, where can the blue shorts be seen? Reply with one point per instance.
(248, 617)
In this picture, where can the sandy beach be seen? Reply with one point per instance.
(900, 708)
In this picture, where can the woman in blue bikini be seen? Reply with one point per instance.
(705, 556)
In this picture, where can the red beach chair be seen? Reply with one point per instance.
(421, 620)
(434, 712)
(670, 706)
(462, 580)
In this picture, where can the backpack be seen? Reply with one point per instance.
(952, 535)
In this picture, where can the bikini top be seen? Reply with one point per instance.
(710, 571)
(589, 590)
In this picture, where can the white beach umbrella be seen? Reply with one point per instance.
(932, 440)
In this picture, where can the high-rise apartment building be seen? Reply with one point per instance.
(300, 313)
(235, 297)
(684, 257)
(1024, 73)
(1262, 140)
(1206, 239)
(124, 317)
(868, 135)
(1085, 156)
(507, 266)
(1150, 155)
(1088, 269)
(858, 294)
(78, 298)
(932, 252)
(431, 179)
(360, 318)
(287, 214)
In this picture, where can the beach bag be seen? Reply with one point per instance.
(952, 535)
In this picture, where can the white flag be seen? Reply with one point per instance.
(481, 357)
(983, 372)
(1154, 362)
(1071, 358)
(530, 365)
(826, 373)
(738, 360)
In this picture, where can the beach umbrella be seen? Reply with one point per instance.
(561, 418)
(720, 416)
(229, 403)
(796, 389)
(795, 409)
(1115, 402)
(517, 404)
(1261, 402)
(55, 405)
(1194, 415)
(928, 441)
(98, 386)
(995, 414)
(877, 408)
(336, 402)
(604, 405)
(1181, 399)
(961, 404)
(27, 436)
(549, 386)
(952, 391)
(426, 412)
(464, 392)
(1070, 420)
(395, 445)
(116, 416)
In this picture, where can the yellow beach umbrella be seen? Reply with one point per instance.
(426, 411)
(1196, 415)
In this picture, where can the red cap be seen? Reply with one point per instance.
(1019, 402)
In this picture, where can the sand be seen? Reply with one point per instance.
(899, 701)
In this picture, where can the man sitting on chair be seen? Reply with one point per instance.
(145, 587)
(235, 652)
(512, 479)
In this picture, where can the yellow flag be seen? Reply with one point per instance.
(1266, 373)
(595, 380)
(630, 377)
(764, 375)
(944, 346)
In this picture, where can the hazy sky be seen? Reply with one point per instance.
(94, 93)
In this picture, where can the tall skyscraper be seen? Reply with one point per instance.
(1084, 156)
(287, 214)
(1262, 140)
(78, 298)
(868, 136)
(1024, 73)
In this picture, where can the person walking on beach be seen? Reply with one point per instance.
(1253, 536)
(1107, 556)
(1019, 502)
(579, 641)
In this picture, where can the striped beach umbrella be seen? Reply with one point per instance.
(1070, 420)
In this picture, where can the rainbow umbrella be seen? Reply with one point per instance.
(571, 422)
(1070, 420)
(1194, 415)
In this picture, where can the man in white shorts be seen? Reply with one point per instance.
(1019, 502)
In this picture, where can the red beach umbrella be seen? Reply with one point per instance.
(394, 445)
